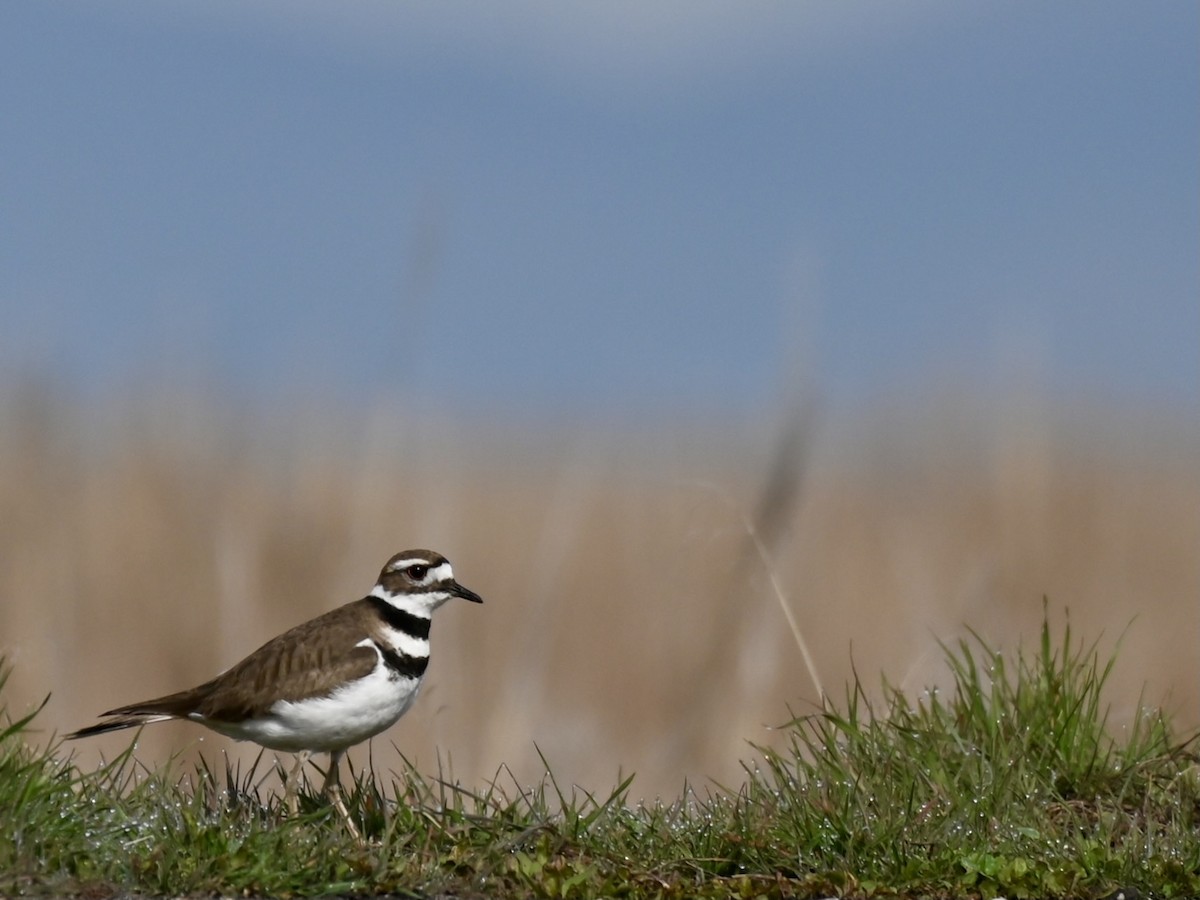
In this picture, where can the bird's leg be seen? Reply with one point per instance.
(291, 790)
(333, 790)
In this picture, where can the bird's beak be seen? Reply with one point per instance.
(457, 590)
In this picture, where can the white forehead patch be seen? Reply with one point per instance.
(441, 572)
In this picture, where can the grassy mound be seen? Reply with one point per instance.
(1011, 783)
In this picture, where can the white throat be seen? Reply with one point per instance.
(421, 604)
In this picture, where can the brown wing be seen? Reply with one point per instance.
(310, 660)
(179, 705)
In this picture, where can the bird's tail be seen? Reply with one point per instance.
(160, 709)
(118, 721)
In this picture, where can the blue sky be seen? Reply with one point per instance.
(619, 207)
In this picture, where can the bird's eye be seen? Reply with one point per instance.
(417, 571)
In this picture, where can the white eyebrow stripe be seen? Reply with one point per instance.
(440, 572)
(410, 561)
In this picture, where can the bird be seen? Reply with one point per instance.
(324, 685)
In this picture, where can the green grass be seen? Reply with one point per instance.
(1009, 784)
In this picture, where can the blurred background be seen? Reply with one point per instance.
(695, 334)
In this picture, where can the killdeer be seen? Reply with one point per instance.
(326, 684)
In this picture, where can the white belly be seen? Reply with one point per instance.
(349, 716)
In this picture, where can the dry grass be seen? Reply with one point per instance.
(626, 625)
